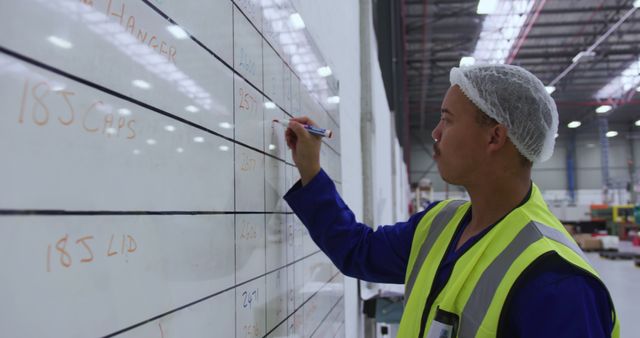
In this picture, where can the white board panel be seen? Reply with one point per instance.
(101, 152)
(249, 115)
(111, 271)
(175, 75)
(214, 30)
(247, 51)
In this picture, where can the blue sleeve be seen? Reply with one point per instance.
(358, 251)
(560, 301)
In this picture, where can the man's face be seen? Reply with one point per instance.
(461, 142)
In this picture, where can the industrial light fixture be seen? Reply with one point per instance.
(574, 124)
(638, 123)
(612, 133)
(550, 89)
(467, 61)
(333, 99)
(487, 6)
(603, 109)
(585, 54)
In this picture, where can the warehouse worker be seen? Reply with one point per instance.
(499, 265)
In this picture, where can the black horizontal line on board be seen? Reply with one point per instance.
(129, 328)
(43, 212)
(301, 305)
(199, 43)
(130, 99)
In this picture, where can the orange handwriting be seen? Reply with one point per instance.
(40, 100)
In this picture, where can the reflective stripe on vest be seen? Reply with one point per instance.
(439, 223)
(478, 303)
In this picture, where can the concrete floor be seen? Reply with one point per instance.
(623, 280)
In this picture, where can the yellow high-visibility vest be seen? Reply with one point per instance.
(471, 302)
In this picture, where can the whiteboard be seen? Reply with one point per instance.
(142, 178)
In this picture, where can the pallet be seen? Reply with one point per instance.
(599, 250)
(620, 255)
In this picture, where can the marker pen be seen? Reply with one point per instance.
(312, 129)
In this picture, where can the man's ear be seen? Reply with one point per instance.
(498, 136)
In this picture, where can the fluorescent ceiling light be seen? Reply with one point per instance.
(62, 43)
(487, 6)
(224, 148)
(583, 55)
(177, 32)
(141, 84)
(333, 99)
(296, 22)
(603, 109)
(574, 124)
(124, 111)
(324, 71)
(272, 147)
(550, 89)
(198, 139)
(636, 3)
(179, 150)
(638, 89)
(169, 128)
(500, 30)
(638, 123)
(467, 61)
(270, 105)
(612, 133)
(151, 142)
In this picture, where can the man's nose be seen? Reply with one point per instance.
(436, 133)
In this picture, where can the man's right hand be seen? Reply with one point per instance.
(305, 148)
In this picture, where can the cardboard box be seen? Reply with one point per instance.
(571, 229)
(591, 243)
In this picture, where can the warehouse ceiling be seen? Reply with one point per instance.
(438, 33)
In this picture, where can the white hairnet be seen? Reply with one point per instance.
(518, 100)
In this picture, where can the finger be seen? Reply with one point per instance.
(291, 139)
(304, 120)
(298, 129)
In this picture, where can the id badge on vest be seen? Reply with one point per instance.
(444, 325)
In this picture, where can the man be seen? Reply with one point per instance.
(499, 266)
